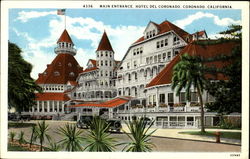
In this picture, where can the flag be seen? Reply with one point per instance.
(61, 11)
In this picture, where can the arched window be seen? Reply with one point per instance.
(69, 64)
(71, 74)
(56, 73)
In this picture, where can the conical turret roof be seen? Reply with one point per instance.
(65, 37)
(104, 43)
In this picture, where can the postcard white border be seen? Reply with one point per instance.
(5, 5)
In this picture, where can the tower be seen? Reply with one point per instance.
(105, 61)
(65, 44)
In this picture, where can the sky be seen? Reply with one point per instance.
(36, 31)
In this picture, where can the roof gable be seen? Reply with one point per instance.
(65, 37)
(165, 76)
(104, 44)
(63, 68)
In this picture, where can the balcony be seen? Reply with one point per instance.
(65, 50)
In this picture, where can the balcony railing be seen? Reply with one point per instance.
(65, 50)
(176, 124)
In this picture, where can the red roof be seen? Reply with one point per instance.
(167, 26)
(63, 68)
(104, 44)
(108, 104)
(52, 96)
(73, 83)
(165, 76)
(93, 62)
(65, 37)
(89, 69)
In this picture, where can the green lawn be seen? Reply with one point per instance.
(229, 135)
(16, 148)
(20, 125)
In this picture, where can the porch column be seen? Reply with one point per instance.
(57, 106)
(157, 99)
(110, 112)
(63, 106)
(186, 121)
(37, 104)
(53, 106)
(48, 106)
(43, 106)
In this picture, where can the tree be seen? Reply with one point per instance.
(41, 133)
(12, 136)
(98, 140)
(187, 73)
(21, 87)
(21, 139)
(140, 140)
(33, 134)
(227, 93)
(72, 138)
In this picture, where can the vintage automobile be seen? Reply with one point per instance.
(114, 125)
(84, 121)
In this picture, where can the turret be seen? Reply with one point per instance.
(65, 44)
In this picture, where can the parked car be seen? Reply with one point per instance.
(114, 125)
(25, 117)
(84, 121)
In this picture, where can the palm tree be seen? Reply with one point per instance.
(33, 134)
(187, 73)
(53, 146)
(12, 136)
(72, 138)
(42, 131)
(98, 139)
(21, 139)
(140, 140)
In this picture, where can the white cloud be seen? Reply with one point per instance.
(121, 37)
(24, 16)
(199, 15)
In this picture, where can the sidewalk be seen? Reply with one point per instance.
(174, 133)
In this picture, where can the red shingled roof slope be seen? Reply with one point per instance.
(108, 104)
(51, 96)
(167, 26)
(104, 43)
(93, 62)
(60, 64)
(165, 76)
(90, 69)
(65, 37)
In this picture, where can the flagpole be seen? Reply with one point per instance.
(65, 21)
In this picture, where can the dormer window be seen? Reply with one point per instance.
(71, 74)
(56, 73)
(153, 32)
(59, 64)
(69, 64)
(45, 73)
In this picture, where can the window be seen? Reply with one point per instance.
(147, 60)
(155, 59)
(106, 53)
(159, 58)
(71, 74)
(138, 51)
(135, 64)
(69, 64)
(171, 99)
(194, 97)
(110, 63)
(150, 34)
(150, 100)
(110, 54)
(158, 44)
(176, 53)
(153, 32)
(162, 43)
(182, 98)
(164, 56)
(56, 73)
(141, 50)
(106, 63)
(97, 54)
(128, 65)
(134, 52)
(169, 55)
(101, 54)
(151, 59)
(162, 98)
(129, 77)
(106, 73)
(101, 63)
(154, 100)
(135, 76)
(147, 35)
(166, 42)
(110, 73)
(101, 73)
